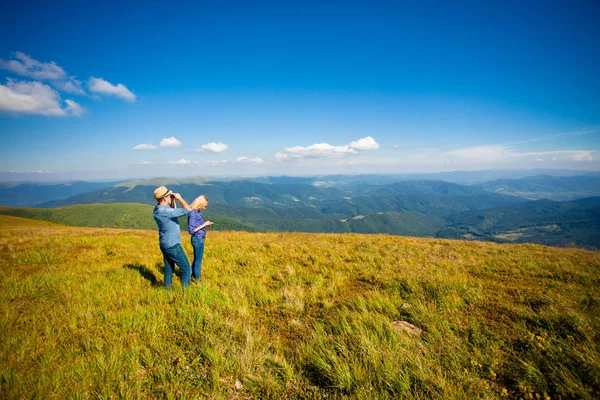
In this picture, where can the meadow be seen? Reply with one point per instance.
(294, 315)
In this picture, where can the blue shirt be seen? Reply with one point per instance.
(195, 219)
(169, 232)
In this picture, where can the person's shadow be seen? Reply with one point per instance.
(144, 272)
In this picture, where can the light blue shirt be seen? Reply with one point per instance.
(169, 232)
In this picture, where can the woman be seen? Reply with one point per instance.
(196, 228)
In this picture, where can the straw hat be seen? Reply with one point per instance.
(161, 192)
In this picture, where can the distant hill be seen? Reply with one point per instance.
(493, 211)
(571, 223)
(32, 194)
(236, 192)
(547, 187)
(461, 177)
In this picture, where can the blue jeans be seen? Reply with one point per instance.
(176, 255)
(198, 245)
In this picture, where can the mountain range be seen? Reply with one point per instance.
(503, 210)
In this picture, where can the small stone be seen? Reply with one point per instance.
(238, 385)
(403, 326)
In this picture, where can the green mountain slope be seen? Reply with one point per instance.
(128, 216)
(548, 222)
(547, 187)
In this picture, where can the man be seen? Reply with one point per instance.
(169, 234)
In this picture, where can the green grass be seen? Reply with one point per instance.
(295, 315)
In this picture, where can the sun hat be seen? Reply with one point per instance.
(161, 192)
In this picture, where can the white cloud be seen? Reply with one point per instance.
(34, 98)
(99, 85)
(24, 65)
(317, 150)
(143, 162)
(183, 161)
(74, 108)
(247, 160)
(170, 142)
(145, 147)
(539, 159)
(213, 147)
(323, 150)
(366, 143)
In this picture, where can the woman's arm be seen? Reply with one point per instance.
(204, 225)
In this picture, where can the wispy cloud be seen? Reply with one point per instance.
(213, 147)
(24, 65)
(143, 162)
(100, 86)
(323, 150)
(71, 86)
(213, 163)
(247, 160)
(583, 155)
(35, 98)
(145, 147)
(492, 153)
(557, 135)
(73, 108)
(170, 142)
(482, 153)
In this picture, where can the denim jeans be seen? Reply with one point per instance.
(176, 255)
(198, 245)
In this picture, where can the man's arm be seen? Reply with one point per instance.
(172, 212)
(185, 205)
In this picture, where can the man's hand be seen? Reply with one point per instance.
(178, 197)
(208, 223)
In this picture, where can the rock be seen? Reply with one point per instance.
(238, 385)
(405, 327)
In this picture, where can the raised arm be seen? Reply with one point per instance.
(184, 204)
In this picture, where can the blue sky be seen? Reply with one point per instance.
(96, 91)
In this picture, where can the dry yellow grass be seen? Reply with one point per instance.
(293, 315)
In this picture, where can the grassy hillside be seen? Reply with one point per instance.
(127, 216)
(7, 220)
(291, 315)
